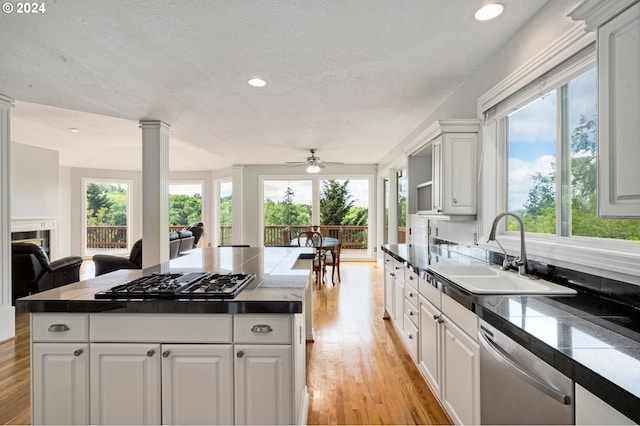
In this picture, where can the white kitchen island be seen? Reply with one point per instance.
(146, 361)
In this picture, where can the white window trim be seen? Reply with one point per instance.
(83, 213)
(216, 207)
(315, 205)
(612, 259)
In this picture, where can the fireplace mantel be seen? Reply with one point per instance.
(34, 224)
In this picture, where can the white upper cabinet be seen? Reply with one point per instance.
(443, 169)
(617, 23)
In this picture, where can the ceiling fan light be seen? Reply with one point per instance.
(313, 168)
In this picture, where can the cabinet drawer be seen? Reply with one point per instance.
(461, 316)
(60, 327)
(398, 269)
(429, 292)
(411, 311)
(388, 261)
(410, 293)
(411, 337)
(411, 278)
(165, 328)
(267, 329)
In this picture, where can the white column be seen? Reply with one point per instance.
(237, 236)
(7, 312)
(155, 192)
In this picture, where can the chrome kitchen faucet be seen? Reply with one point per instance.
(519, 262)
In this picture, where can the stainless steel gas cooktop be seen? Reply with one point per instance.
(193, 285)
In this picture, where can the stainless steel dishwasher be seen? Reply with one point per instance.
(517, 387)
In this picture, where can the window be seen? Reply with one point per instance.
(185, 204)
(551, 148)
(225, 213)
(403, 191)
(106, 213)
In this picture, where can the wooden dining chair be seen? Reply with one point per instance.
(314, 239)
(332, 258)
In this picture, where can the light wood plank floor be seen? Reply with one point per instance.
(358, 369)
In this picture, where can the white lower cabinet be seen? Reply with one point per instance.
(125, 383)
(429, 354)
(263, 388)
(131, 376)
(591, 410)
(197, 384)
(460, 374)
(60, 375)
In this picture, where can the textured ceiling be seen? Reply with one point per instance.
(350, 78)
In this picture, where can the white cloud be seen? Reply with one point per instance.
(536, 122)
(520, 182)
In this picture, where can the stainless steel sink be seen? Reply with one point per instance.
(480, 279)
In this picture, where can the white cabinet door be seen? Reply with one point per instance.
(429, 354)
(125, 383)
(197, 384)
(618, 112)
(460, 375)
(263, 384)
(591, 410)
(389, 289)
(398, 300)
(60, 383)
(459, 160)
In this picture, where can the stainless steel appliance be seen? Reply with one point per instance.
(193, 285)
(517, 387)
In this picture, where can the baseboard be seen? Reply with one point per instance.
(7, 323)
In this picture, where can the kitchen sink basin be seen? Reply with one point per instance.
(491, 280)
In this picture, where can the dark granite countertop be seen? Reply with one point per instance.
(281, 279)
(592, 340)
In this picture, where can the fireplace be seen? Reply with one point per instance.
(40, 238)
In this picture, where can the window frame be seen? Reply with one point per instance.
(616, 259)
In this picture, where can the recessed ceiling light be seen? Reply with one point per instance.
(489, 11)
(74, 130)
(256, 82)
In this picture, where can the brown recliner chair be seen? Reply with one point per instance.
(105, 263)
(31, 271)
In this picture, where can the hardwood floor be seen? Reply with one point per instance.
(358, 369)
(15, 380)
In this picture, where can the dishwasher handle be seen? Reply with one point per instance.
(509, 362)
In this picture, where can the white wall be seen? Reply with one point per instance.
(34, 182)
(251, 200)
(63, 242)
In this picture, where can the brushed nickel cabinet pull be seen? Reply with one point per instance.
(57, 328)
(77, 352)
(166, 354)
(262, 328)
(150, 352)
(240, 354)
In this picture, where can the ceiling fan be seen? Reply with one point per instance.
(314, 164)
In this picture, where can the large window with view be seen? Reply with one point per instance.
(185, 205)
(286, 210)
(106, 213)
(225, 213)
(551, 147)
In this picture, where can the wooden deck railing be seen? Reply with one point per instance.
(112, 237)
(352, 237)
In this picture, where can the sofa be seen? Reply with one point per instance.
(178, 242)
(32, 272)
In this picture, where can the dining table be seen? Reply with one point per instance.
(328, 244)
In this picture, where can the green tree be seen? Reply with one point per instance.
(226, 211)
(539, 213)
(98, 205)
(335, 202)
(184, 209)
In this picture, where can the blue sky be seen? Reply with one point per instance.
(532, 134)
